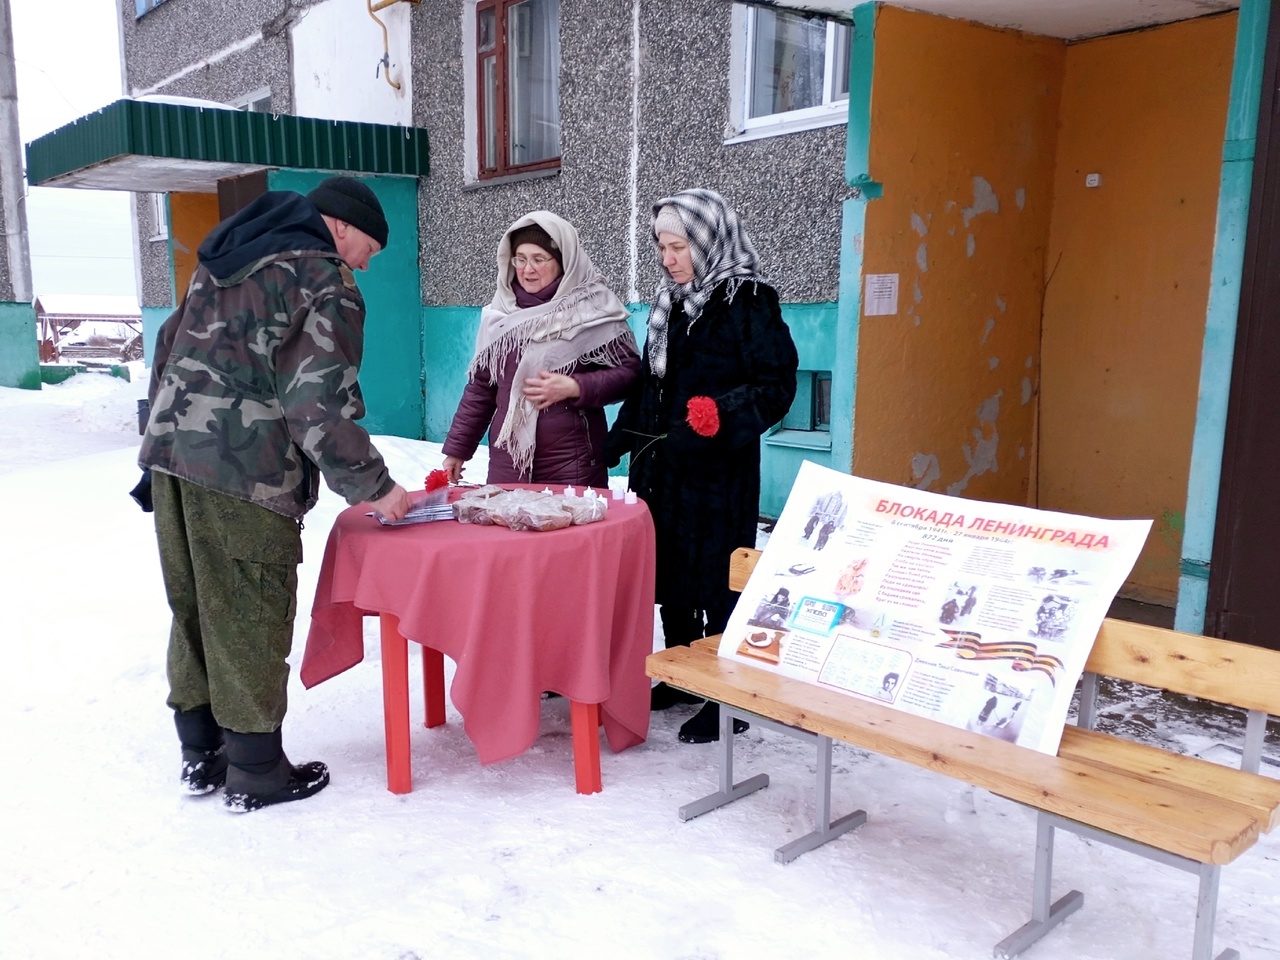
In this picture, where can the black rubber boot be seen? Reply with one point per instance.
(704, 726)
(261, 775)
(204, 758)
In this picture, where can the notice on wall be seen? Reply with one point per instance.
(881, 295)
(979, 615)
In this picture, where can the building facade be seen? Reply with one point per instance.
(1011, 261)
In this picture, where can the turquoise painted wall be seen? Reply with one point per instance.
(1220, 321)
(449, 340)
(152, 319)
(857, 171)
(391, 375)
(814, 329)
(19, 351)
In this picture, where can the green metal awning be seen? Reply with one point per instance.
(164, 147)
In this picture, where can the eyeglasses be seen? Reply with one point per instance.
(536, 262)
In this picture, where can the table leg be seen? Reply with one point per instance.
(432, 687)
(395, 704)
(585, 719)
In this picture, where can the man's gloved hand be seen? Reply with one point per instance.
(142, 492)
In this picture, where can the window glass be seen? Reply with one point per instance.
(533, 75)
(841, 36)
(489, 135)
(142, 6)
(822, 400)
(811, 409)
(789, 58)
(486, 31)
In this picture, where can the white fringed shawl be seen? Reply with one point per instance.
(584, 322)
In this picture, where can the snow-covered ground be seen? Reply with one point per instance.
(100, 857)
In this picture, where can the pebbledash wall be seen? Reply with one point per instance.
(644, 101)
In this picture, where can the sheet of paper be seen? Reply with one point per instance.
(881, 297)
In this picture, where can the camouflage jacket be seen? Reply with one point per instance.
(253, 385)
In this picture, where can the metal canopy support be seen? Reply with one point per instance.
(824, 828)
(1045, 917)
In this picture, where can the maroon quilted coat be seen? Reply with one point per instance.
(569, 447)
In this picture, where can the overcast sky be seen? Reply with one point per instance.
(68, 64)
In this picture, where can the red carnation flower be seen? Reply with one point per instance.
(704, 416)
(437, 479)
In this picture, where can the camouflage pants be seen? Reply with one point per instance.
(230, 570)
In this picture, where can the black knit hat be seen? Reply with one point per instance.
(534, 234)
(349, 200)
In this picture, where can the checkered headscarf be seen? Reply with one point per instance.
(721, 251)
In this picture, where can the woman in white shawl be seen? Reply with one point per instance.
(553, 349)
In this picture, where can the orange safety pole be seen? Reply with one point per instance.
(432, 687)
(395, 703)
(585, 721)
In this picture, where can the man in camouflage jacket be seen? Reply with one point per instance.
(253, 397)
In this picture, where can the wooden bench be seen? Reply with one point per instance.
(1178, 810)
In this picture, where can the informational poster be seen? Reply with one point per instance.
(978, 615)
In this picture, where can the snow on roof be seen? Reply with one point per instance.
(86, 305)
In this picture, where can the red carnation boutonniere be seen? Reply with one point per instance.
(436, 480)
(703, 416)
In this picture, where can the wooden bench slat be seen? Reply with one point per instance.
(1218, 670)
(1258, 796)
(1200, 827)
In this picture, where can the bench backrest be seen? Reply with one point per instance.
(1187, 663)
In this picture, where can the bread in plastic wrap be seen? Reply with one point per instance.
(480, 493)
(503, 507)
(544, 513)
(528, 509)
(585, 509)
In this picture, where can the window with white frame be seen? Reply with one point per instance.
(259, 101)
(517, 50)
(142, 6)
(791, 71)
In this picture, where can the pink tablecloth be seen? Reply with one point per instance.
(565, 610)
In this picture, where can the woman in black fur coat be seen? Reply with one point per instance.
(716, 334)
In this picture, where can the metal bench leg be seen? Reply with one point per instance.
(1206, 915)
(825, 828)
(1044, 916)
(729, 791)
